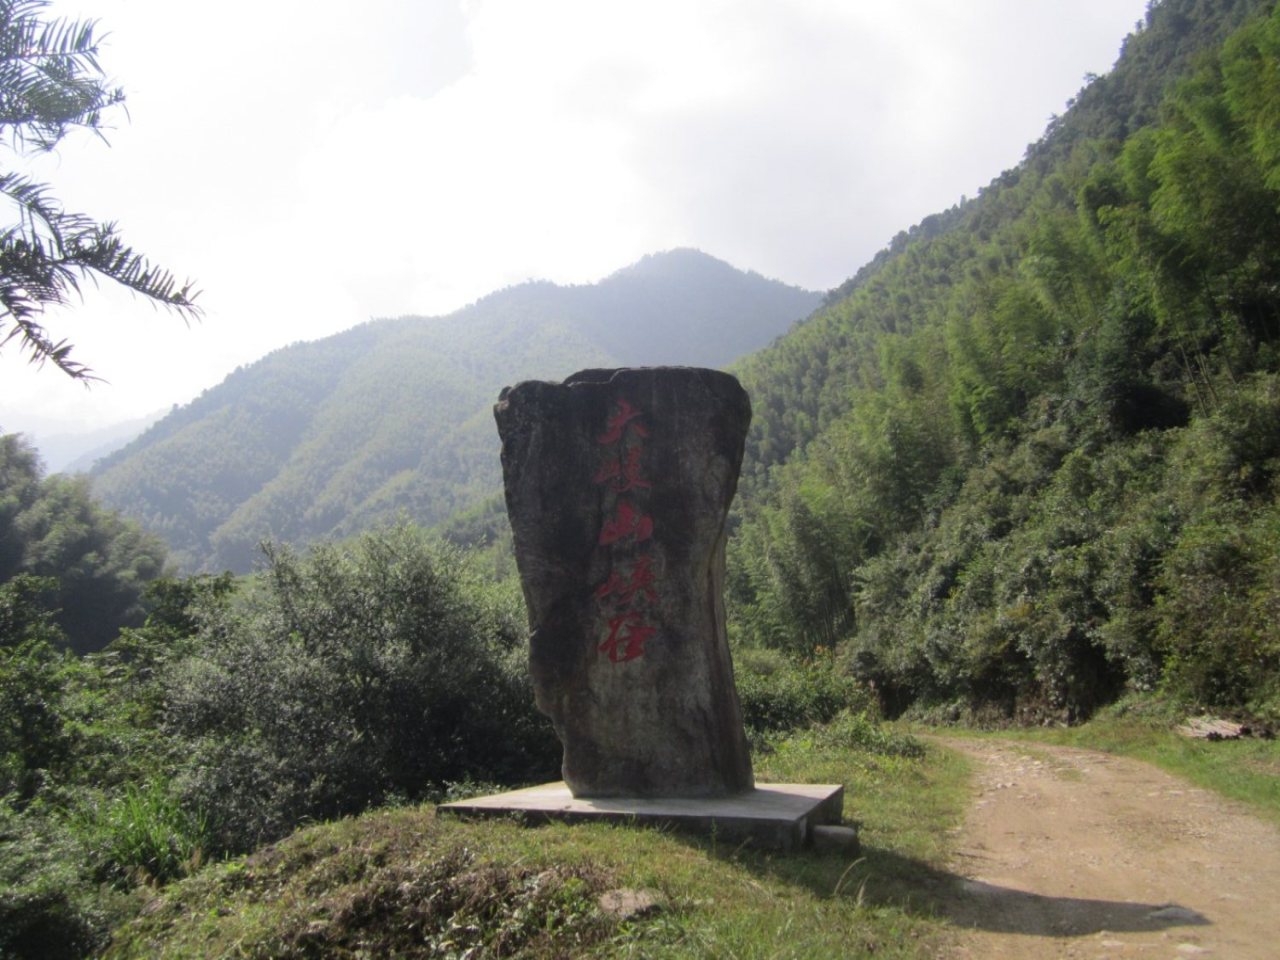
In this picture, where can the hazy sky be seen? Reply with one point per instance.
(313, 165)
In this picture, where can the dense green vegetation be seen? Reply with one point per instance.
(384, 671)
(1031, 459)
(381, 671)
(329, 438)
(71, 571)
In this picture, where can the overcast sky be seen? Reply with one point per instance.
(313, 165)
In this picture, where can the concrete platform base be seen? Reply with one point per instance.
(778, 816)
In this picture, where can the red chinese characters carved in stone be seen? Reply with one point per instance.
(628, 631)
(627, 635)
(627, 522)
(623, 475)
(620, 422)
(625, 587)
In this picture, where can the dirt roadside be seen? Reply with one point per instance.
(1071, 853)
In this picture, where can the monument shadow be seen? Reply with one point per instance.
(882, 878)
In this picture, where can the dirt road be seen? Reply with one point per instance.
(1070, 853)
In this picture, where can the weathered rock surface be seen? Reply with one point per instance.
(618, 483)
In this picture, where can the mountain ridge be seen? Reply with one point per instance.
(328, 437)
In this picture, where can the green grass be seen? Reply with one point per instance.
(144, 834)
(1246, 770)
(405, 882)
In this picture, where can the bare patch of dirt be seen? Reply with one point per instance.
(1071, 853)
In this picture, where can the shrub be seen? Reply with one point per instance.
(33, 737)
(859, 730)
(1215, 616)
(779, 693)
(382, 668)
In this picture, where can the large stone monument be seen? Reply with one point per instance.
(618, 483)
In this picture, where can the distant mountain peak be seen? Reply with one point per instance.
(327, 438)
(679, 260)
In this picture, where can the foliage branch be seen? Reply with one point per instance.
(51, 83)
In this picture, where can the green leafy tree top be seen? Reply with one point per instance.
(50, 84)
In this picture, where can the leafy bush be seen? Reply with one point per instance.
(33, 678)
(384, 668)
(1216, 613)
(779, 693)
(859, 730)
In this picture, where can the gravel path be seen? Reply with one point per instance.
(1071, 853)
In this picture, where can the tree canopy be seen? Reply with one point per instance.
(92, 566)
(50, 84)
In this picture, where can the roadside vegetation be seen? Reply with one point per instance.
(167, 774)
(1028, 461)
(379, 672)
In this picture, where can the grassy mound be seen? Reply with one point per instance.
(408, 884)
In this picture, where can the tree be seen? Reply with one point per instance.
(51, 83)
(98, 562)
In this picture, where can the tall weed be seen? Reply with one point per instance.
(145, 834)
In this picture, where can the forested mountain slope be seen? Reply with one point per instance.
(325, 438)
(1031, 456)
(802, 381)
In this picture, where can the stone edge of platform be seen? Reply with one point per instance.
(821, 804)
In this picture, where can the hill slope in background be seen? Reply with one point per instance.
(804, 382)
(326, 438)
(78, 452)
(1029, 458)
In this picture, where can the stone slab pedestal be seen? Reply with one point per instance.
(778, 816)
